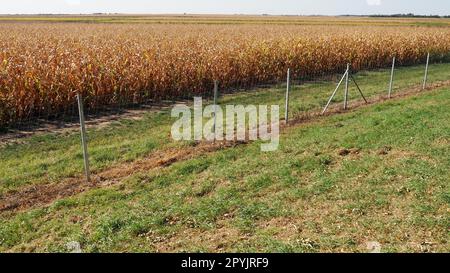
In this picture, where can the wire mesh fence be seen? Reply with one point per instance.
(407, 73)
(309, 92)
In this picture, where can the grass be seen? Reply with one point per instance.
(391, 187)
(55, 156)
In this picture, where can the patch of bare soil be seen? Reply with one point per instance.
(44, 194)
(345, 152)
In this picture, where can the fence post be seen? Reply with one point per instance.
(83, 138)
(392, 78)
(216, 95)
(334, 92)
(426, 72)
(288, 90)
(346, 87)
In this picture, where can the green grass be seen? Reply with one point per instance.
(50, 157)
(306, 197)
(54, 156)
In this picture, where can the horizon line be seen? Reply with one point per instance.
(223, 14)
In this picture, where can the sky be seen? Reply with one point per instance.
(276, 7)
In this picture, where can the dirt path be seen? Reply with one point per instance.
(44, 194)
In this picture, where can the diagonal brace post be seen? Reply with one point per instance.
(334, 93)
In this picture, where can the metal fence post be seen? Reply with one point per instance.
(392, 78)
(83, 138)
(216, 95)
(288, 90)
(334, 92)
(346, 87)
(426, 72)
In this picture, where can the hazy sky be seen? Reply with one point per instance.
(302, 7)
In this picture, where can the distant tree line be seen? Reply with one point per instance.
(410, 15)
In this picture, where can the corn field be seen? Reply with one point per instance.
(43, 66)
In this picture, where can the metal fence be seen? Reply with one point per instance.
(300, 94)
